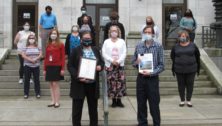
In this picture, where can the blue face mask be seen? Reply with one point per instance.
(183, 39)
(87, 43)
(147, 37)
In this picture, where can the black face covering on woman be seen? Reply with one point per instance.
(86, 43)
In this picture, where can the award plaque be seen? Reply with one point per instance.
(87, 68)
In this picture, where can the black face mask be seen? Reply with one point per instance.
(48, 13)
(114, 21)
(86, 43)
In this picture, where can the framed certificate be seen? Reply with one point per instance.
(146, 63)
(87, 68)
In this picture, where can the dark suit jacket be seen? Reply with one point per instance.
(107, 27)
(77, 87)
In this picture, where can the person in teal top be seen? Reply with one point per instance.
(189, 24)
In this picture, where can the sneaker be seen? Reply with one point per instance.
(26, 96)
(38, 96)
(189, 104)
(20, 81)
(31, 81)
(182, 104)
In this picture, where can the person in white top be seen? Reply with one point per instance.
(20, 41)
(150, 22)
(114, 54)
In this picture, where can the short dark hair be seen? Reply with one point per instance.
(83, 8)
(153, 32)
(48, 8)
(114, 16)
(85, 32)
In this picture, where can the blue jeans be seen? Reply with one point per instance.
(147, 89)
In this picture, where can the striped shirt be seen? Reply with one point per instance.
(31, 53)
(158, 60)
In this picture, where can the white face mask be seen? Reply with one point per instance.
(26, 27)
(114, 34)
(31, 41)
(83, 12)
(147, 37)
(53, 36)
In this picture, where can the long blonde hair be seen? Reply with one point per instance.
(118, 30)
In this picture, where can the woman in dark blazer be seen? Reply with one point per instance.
(80, 87)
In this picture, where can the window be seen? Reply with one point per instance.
(173, 1)
(100, 1)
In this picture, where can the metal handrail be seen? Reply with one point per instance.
(105, 98)
(208, 37)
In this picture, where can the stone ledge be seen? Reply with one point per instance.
(3, 54)
(211, 69)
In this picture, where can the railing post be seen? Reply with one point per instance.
(105, 98)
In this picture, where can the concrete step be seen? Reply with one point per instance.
(168, 78)
(129, 72)
(134, 72)
(66, 85)
(174, 91)
(128, 78)
(130, 92)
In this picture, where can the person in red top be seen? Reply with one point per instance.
(54, 66)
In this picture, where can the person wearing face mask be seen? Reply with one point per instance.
(114, 54)
(82, 87)
(20, 41)
(150, 22)
(48, 22)
(83, 11)
(114, 20)
(186, 63)
(87, 27)
(72, 40)
(54, 66)
(147, 83)
(31, 54)
(189, 24)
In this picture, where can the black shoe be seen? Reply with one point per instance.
(189, 104)
(119, 103)
(51, 105)
(57, 105)
(181, 104)
(114, 104)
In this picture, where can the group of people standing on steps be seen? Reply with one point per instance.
(80, 43)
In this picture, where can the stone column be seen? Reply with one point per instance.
(218, 24)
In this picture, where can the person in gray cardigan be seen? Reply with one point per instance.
(186, 63)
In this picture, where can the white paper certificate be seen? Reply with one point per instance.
(146, 63)
(87, 68)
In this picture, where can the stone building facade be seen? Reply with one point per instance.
(132, 14)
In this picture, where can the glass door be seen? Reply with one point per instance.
(173, 11)
(100, 11)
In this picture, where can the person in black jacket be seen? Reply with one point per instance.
(72, 40)
(86, 26)
(114, 17)
(81, 87)
(83, 10)
(186, 63)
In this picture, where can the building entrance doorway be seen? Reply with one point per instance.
(100, 12)
(173, 11)
(25, 12)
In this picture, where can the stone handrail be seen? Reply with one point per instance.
(212, 70)
(4, 52)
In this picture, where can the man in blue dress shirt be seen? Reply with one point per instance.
(47, 23)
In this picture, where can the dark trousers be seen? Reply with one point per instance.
(77, 106)
(185, 81)
(28, 72)
(192, 36)
(21, 68)
(147, 88)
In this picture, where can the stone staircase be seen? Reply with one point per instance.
(168, 86)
